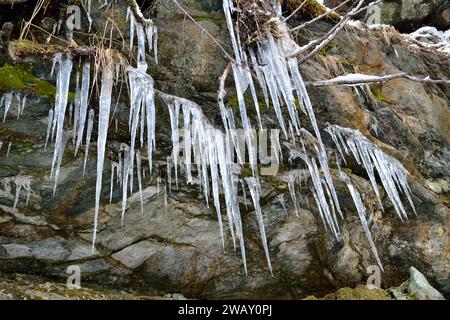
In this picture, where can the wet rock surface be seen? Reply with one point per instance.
(178, 248)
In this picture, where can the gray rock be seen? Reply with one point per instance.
(420, 288)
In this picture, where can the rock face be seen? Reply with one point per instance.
(407, 15)
(177, 248)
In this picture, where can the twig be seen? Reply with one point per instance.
(323, 15)
(138, 13)
(331, 34)
(222, 81)
(296, 10)
(374, 79)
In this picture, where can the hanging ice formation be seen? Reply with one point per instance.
(361, 209)
(25, 183)
(103, 122)
(82, 103)
(393, 175)
(64, 64)
(212, 153)
(209, 150)
(280, 81)
(146, 32)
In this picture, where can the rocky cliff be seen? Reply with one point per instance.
(177, 247)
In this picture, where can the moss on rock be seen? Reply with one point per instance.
(20, 78)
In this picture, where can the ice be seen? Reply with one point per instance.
(64, 63)
(361, 209)
(174, 112)
(9, 149)
(254, 187)
(146, 32)
(6, 102)
(88, 13)
(228, 9)
(103, 122)
(49, 127)
(292, 177)
(115, 167)
(84, 96)
(158, 183)
(22, 182)
(139, 174)
(169, 173)
(142, 100)
(393, 175)
(125, 149)
(320, 190)
(212, 155)
(280, 199)
(242, 82)
(90, 126)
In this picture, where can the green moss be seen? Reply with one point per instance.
(359, 293)
(378, 95)
(311, 9)
(330, 49)
(26, 47)
(288, 278)
(216, 21)
(19, 78)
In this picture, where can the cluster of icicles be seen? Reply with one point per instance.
(213, 149)
(7, 100)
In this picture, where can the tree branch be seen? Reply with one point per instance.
(358, 79)
(331, 34)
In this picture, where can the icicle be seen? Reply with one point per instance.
(21, 182)
(85, 80)
(114, 167)
(142, 99)
(168, 172)
(158, 183)
(19, 103)
(125, 176)
(23, 104)
(76, 107)
(88, 13)
(241, 82)
(90, 126)
(9, 149)
(254, 188)
(103, 121)
(392, 174)
(360, 208)
(227, 9)
(6, 101)
(138, 164)
(62, 90)
(66, 135)
(280, 199)
(49, 127)
(165, 199)
(130, 15)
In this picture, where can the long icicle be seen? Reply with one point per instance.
(104, 110)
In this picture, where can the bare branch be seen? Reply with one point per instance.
(331, 34)
(297, 9)
(323, 15)
(358, 79)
